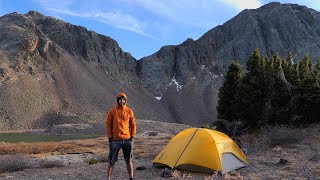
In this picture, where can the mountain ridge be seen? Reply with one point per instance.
(201, 64)
(68, 69)
(49, 67)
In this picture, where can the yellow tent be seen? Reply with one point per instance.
(201, 150)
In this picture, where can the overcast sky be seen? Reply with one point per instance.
(142, 27)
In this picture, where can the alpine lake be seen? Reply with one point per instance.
(30, 137)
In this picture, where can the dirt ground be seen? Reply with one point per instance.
(294, 154)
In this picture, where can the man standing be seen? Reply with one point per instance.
(121, 129)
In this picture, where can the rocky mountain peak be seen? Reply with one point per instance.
(271, 5)
(45, 36)
(80, 66)
(50, 69)
(34, 13)
(199, 65)
(189, 41)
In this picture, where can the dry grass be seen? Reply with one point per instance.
(305, 164)
(34, 148)
(281, 135)
(145, 146)
(181, 174)
(296, 145)
(40, 148)
(236, 176)
(184, 175)
(263, 155)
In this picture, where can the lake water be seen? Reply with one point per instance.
(27, 137)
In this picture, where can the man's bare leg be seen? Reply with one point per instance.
(109, 171)
(130, 169)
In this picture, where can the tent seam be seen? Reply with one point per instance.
(219, 153)
(185, 148)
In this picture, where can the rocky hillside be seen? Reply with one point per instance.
(51, 70)
(198, 65)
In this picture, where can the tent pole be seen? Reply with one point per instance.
(185, 148)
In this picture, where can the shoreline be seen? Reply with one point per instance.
(23, 131)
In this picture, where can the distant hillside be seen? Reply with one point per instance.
(50, 69)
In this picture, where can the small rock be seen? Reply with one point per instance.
(166, 173)
(141, 168)
(277, 149)
(233, 173)
(152, 133)
(244, 150)
(282, 162)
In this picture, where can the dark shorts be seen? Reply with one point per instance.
(114, 148)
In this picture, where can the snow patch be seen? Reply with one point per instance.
(175, 82)
(159, 98)
(202, 67)
(215, 76)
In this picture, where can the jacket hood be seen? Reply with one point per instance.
(122, 95)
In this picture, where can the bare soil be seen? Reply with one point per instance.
(300, 159)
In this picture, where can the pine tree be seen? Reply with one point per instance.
(305, 69)
(269, 82)
(318, 72)
(251, 93)
(295, 75)
(288, 68)
(227, 93)
(275, 91)
(308, 101)
(280, 94)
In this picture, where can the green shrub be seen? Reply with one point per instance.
(93, 161)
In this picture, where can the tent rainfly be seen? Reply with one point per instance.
(201, 150)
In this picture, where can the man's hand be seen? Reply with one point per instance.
(110, 139)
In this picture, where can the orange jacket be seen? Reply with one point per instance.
(120, 123)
